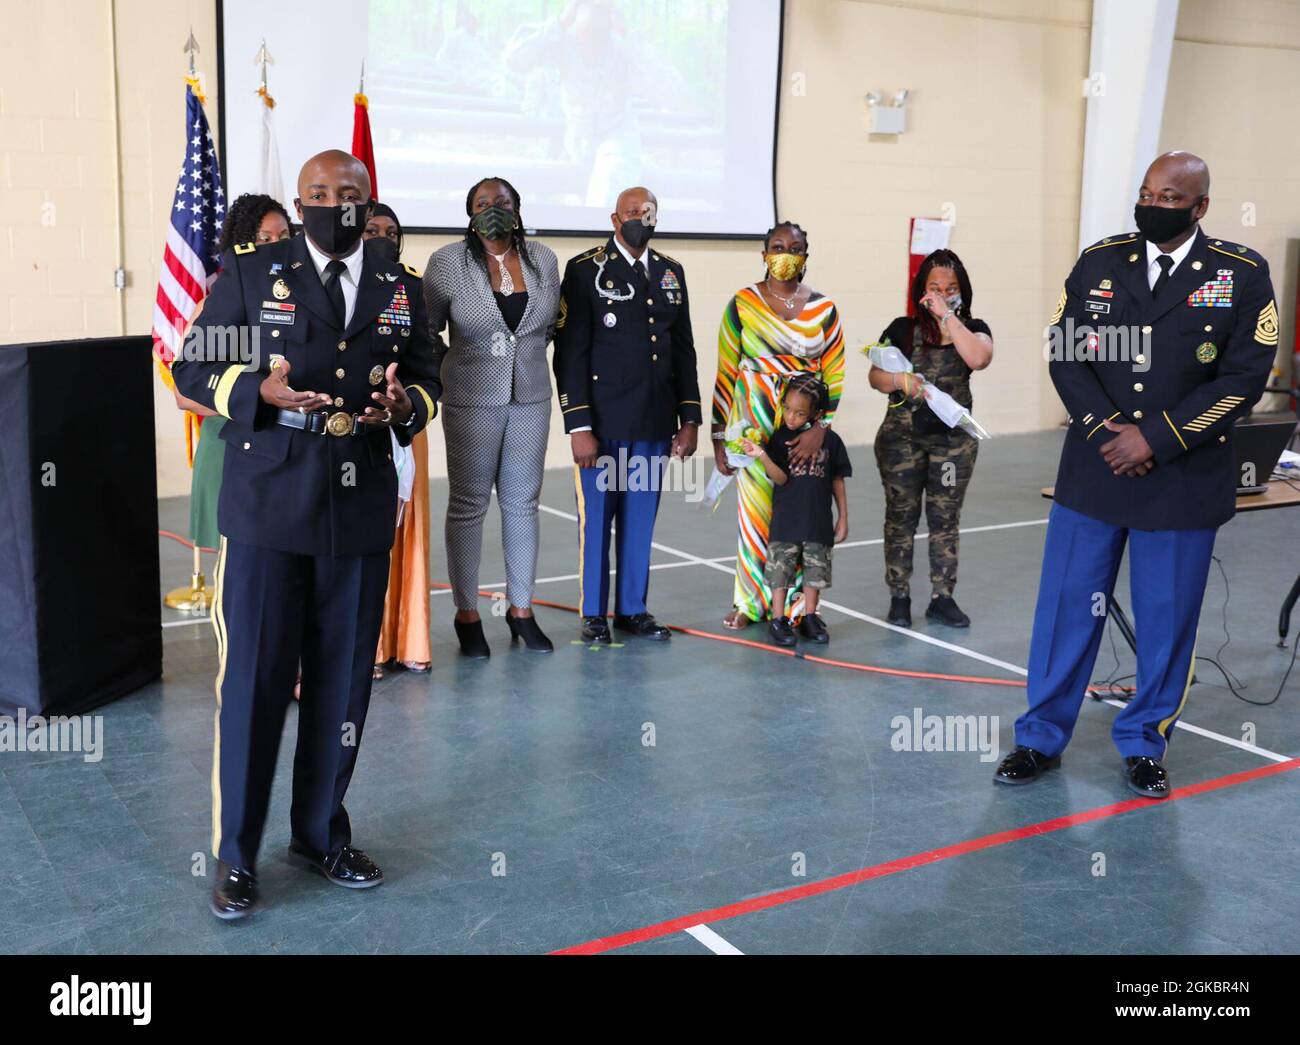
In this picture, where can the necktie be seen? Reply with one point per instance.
(1166, 262)
(334, 288)
(642, 276)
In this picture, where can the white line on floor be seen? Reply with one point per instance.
(1262, 752)
(205, 619)
(952, 647)
(712, 940)
(919, 637)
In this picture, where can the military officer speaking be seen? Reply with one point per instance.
(1161, 340)
(307, 512)
(629, 395)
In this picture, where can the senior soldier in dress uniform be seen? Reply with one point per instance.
(306, 512)
(1148, 459)
(625, 367)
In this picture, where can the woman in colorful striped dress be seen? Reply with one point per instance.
(771, 330)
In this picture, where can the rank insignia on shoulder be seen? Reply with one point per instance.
(411, 270)
(1059, 311)
(245, 248)
(1266, 325)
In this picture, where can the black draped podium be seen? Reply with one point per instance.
(80, 608)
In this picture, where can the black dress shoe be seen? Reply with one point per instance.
(813, 629)
(945, 611)
(348, 867)
(1024, 765)
(526, 628)
(473, 644)
(900, 611)
(595, 629)
(235, 894)
(1147, 777)
(782, 631)
(643, 626)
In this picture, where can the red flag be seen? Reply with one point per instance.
(362, 148)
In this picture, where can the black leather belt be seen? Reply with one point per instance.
(322, 422)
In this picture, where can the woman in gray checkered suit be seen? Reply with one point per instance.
(498, 295)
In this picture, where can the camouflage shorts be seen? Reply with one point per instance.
(785, 557)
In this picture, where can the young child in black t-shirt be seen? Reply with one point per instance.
(802, 531)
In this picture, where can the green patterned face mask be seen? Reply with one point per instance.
(494, 223)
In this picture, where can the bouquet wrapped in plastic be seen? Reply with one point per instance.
(737, 432)
(889, 359)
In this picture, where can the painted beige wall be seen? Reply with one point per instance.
(1234, 87)
(995, 131)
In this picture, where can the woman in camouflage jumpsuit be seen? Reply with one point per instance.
(921, 458)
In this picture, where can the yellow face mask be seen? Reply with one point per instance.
(785, 266)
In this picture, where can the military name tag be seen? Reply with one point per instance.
(277, 312)
(610, 319)
(1099, 306)
(280, 290)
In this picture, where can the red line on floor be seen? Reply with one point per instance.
(907, 863)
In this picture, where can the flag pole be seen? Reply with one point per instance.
(193, 597)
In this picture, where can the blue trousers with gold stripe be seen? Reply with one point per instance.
(623, 489)
(1167, 575)
(274, 610)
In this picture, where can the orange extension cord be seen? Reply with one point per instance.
(763, 646)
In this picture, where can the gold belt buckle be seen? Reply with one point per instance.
(339, 423)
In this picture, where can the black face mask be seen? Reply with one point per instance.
(636, 233)
(382, 249)
(1162, 224)
(335, 230)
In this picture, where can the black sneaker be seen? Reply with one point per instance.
(813, 629)
(900, 611)
(945, 611)
(782, 631)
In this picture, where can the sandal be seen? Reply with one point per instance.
(378, 673)
(736, 620)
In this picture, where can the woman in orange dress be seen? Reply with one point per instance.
(404, 637)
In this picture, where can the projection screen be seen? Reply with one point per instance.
(571, 100)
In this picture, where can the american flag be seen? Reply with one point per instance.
(190, 256)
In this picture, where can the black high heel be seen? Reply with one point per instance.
(473, 644)
(526, 628)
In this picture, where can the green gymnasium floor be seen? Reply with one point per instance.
(770, 782)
